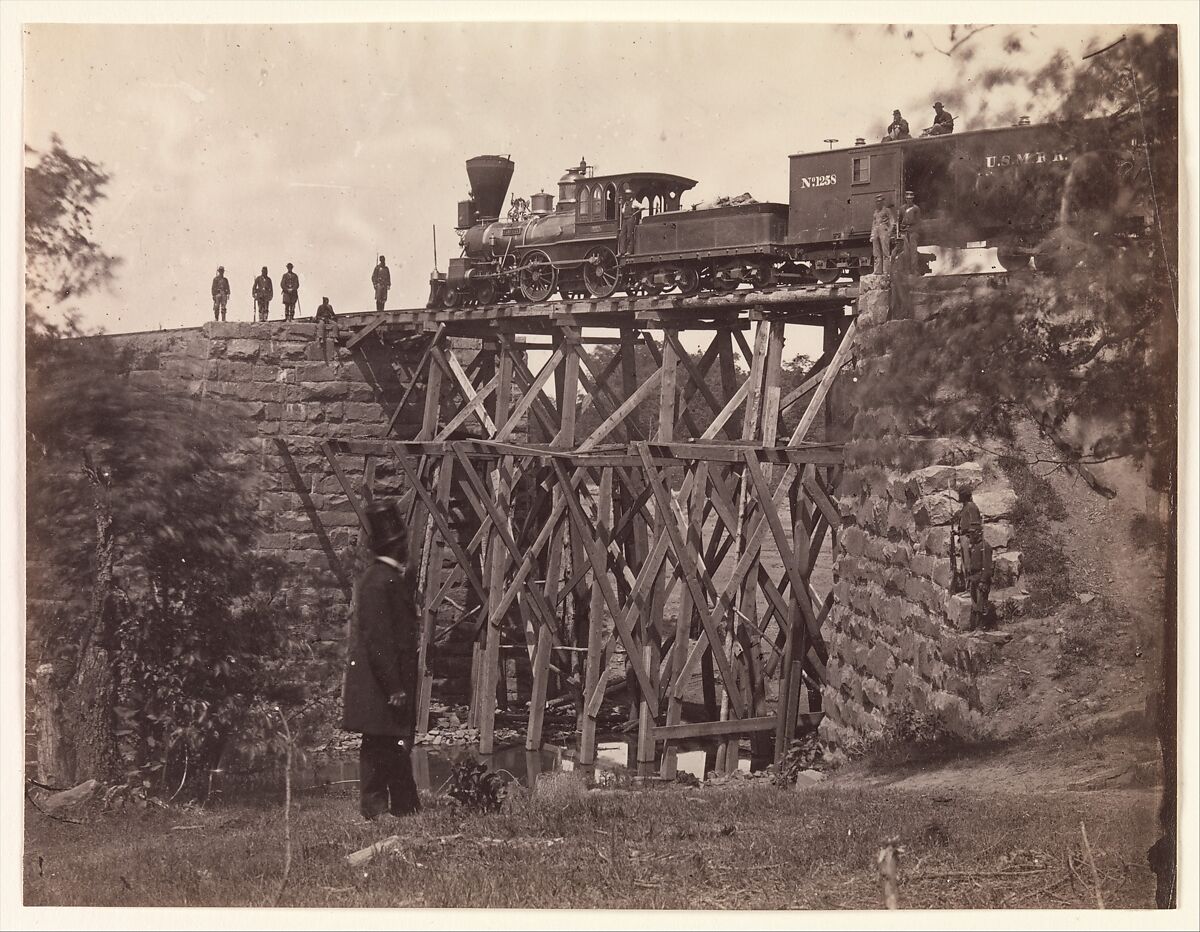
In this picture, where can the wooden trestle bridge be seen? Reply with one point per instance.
(619, 523)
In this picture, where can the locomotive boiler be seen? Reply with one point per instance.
(1013, 188)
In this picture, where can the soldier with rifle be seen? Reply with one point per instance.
(262, 291)
(973, 569)
(289, 284)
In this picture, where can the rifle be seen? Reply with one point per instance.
(957, 583)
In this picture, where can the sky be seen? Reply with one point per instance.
(326, 145)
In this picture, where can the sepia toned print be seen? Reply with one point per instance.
(706, 494)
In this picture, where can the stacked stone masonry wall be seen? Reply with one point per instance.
(275, 377)
(901, 655)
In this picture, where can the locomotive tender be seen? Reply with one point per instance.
(1008, 187)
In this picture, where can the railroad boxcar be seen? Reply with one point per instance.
(1006, 187)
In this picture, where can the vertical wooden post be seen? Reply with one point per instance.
(683, 622)
(595, 651)
(652, 620)
(497, 562)
(432, 583)
(768, 436)
(727, 752)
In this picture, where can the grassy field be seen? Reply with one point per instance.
(738, 846)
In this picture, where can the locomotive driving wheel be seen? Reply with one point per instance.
(485, 291)
(600, 272)
(537, 278)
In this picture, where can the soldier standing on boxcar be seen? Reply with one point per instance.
(883, 223)
(909, 218)
(943, 121)
(381, 278)
(220, 293)
(380, 692)
(898, 128)
(262, 292)
(289, 285)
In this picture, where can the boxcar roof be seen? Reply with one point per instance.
(940, 138)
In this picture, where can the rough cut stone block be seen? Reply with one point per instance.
(875, 693)
(942, 573)
(937, 541)
(998, 533)
(1007, 567)
(948, 478)
(879, 662)
(939, 507)
(243, 349)
(996, 503)
(958, 610)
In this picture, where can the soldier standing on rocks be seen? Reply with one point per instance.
(909, 218)
(220, 293)
(262, 292)
(381, 278)
(380, 691)
(976, 556)
(289, 284)
(882, 224)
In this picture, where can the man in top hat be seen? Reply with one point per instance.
(381, 278)
(898, 128)
(289, 284)
(220, 293)
(263, 291)
(943, 121)
(379, 696)
(908, 219)
(883, 223)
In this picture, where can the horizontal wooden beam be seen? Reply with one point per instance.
(734, 726)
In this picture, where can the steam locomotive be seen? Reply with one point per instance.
(1010, 188)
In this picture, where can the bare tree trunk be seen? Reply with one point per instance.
(55, 762)
(92, 700)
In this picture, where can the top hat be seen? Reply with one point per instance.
(384, 524)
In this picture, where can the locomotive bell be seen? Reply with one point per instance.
(489, 176)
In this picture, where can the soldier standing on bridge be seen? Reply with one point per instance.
(289, 284)
(381, 278)
(327, 324)
(262, 292)
(220, 293)
(379, 698)
(883, 223)
(909, 218)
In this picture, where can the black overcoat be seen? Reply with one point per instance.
(382, 659)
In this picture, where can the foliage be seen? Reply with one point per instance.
(477, 788)
(198, 639)
(1091, 348)
(1043, 556)
(62, 260)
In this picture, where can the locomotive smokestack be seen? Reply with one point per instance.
(489, 176)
